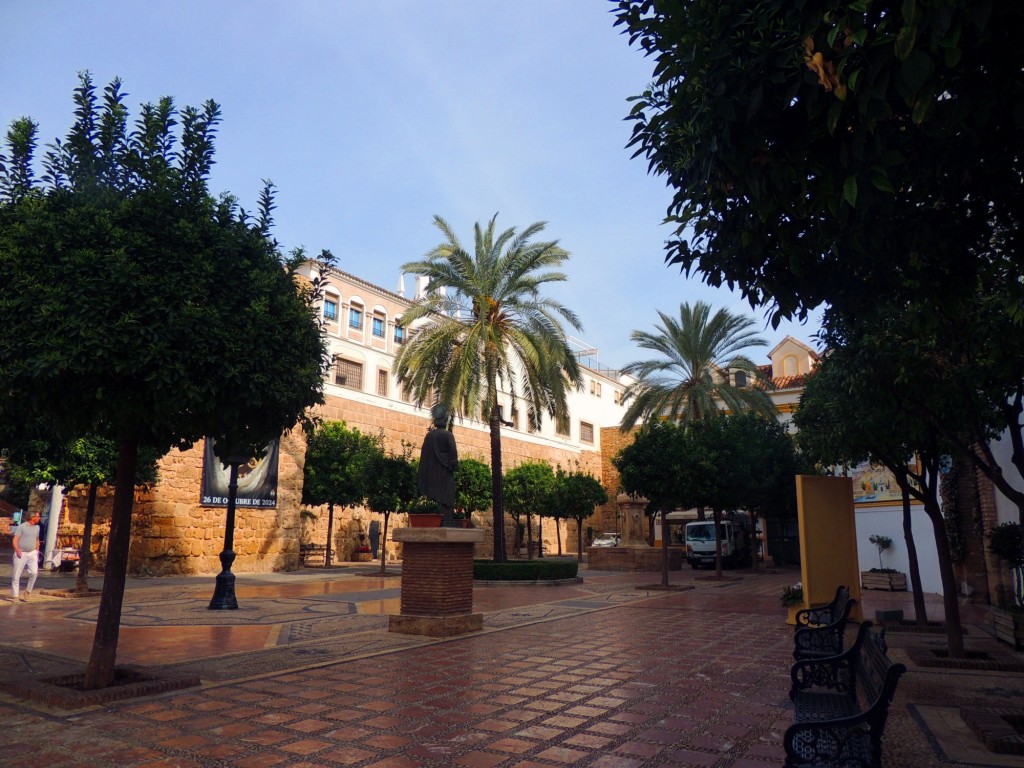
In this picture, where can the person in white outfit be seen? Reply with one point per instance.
(26, 555)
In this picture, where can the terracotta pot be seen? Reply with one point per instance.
(425, 521)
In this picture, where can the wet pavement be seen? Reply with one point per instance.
(608, 672)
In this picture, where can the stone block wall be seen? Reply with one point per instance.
(172, 534)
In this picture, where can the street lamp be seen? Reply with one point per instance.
(224, 593)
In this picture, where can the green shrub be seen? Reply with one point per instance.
(525, 570)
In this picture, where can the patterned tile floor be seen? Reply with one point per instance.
(601, 674)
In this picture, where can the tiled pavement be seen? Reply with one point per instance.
(597, 674)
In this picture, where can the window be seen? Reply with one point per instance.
(789, 367)
(330, 310)
(560, 430)
(595, 388)
(399, 334)
(515, 418)
(618, 396)
(382, 382)
(404, 394)
(348, 374)
(741, 379)
(378, 326)
(355, 318)
(586, 433)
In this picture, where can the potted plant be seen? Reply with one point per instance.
(882, 577)
(1004, 541)
(424, 513)
(793, 599)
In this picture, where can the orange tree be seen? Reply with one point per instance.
(139, 307)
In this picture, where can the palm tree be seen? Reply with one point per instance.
(691, 377)
(483, 327)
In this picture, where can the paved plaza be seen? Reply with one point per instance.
(609, 672)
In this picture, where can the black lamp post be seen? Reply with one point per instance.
(224, 593)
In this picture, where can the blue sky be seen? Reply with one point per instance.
(372, 117)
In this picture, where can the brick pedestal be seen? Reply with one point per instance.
(437, 582)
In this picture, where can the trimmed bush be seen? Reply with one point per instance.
(525, 570)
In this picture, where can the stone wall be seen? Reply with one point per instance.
(173, 534)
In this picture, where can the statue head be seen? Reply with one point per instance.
(439, 414)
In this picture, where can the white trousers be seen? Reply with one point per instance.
(30, 560)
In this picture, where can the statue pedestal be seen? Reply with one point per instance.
(437, 582)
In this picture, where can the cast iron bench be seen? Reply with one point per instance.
(841, 704)
(820, 631)
(307, 551)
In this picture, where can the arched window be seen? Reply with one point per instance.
(789, 366)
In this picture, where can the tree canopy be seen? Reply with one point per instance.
(138, 307)
(837, 152)
(334, 470)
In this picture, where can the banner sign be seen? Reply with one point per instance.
(257, 479)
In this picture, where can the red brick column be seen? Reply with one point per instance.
(437, 582)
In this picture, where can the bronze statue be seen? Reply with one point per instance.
(439, 459)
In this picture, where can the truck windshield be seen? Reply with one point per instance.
(705, 532)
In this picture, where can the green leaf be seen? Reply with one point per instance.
(850, 191)
(905, 41)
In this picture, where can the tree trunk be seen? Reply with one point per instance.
(497, 499)
(383, 545)
(579, 540)
(558, 534)
(330, 534)
(540, 536)
(99, 672)
(664, 549)
(950, 598)
(920, 612)
(717, 516)
(529, 536)
(85, 551)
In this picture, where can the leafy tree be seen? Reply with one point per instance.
(847, 152)
(652, 466)
(842, 423)
(527, 489)
(472, 486)
(139, 308)
(484, 327)
(690, 378)
(574, 497)
(333, 473)
(389, 480)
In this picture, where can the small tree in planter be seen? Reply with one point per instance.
(882, 577)
(881, 543)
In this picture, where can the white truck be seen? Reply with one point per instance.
(700, 541)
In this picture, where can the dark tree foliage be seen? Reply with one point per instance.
(138, 307)
(837, 151)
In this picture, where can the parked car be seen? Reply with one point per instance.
(606, 540)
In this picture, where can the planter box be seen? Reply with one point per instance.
(425, 521)
(893, 582)
(362, 557)
(1009, 627)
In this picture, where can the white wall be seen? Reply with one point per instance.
(888, 521)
